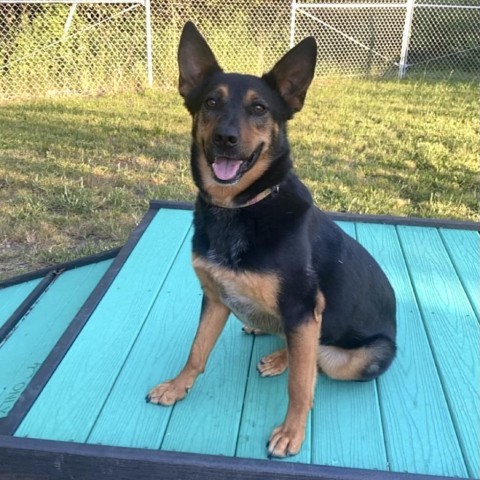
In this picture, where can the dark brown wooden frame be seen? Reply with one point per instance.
(31, 459)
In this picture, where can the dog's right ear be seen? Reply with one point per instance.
(195, 60)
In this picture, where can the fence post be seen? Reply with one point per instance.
(292, 23)
(407, 30)
(68, 22)
(148, 34)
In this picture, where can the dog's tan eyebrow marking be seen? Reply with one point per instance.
(222, 90)
(251, 96)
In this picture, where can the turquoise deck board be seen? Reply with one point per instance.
(169, 322)
(420, 417)
(464, 250)
(355, 443)
(26, 348)
(418, 428)
(453, 331)
(12, 297)
(82, 382)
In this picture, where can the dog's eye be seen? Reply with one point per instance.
(258, 108)
(210, 103)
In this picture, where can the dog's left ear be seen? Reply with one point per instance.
(294, 72)
(196, 60)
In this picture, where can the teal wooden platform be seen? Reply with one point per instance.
(421, 417)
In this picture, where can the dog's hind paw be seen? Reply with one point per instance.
(274, 364)
(253, 331)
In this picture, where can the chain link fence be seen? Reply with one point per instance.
(440, 38)
(52, 47)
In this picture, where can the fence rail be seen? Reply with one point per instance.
(50, 47)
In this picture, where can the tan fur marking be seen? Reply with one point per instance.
(319, 307)
(222, 90)
(209, 286)
(302, 350)
(250, 96)
(261, 288)
(343, 364)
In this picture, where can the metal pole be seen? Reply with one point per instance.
(407, 30)
(148, 31)
(71, 13)
(292, 23)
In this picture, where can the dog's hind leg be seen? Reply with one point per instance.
(362, 363)
(253, 331)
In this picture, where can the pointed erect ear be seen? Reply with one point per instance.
(195, 59)
(294, 72)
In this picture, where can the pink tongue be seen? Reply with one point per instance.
(226, 168)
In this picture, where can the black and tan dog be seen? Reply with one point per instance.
(262, 250)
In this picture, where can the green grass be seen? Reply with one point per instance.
(76, 174)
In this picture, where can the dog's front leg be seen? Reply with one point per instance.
(302, 345)
(213, 318)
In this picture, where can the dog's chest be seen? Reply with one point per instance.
(251, 296)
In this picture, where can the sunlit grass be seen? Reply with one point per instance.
(76, 174)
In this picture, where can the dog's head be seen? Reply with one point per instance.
(239, 143)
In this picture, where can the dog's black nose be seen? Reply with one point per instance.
(225, 138)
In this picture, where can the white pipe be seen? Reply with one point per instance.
(68, 23)
(407, 30)
(292, 23)
(148, 32)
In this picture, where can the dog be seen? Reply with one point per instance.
(262, 250)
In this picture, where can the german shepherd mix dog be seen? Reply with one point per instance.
(263, 251)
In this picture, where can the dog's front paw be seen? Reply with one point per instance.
(285, 442)
(167, 393)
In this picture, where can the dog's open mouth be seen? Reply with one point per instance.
(229, 170)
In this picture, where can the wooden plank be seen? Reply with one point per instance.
(453, 331)
(419, 433)
(12, 297)
(265, 406)
(347, 428)
(464, 250)
(79, 387)
(25, 349)
(209, 418)
(348, 228)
